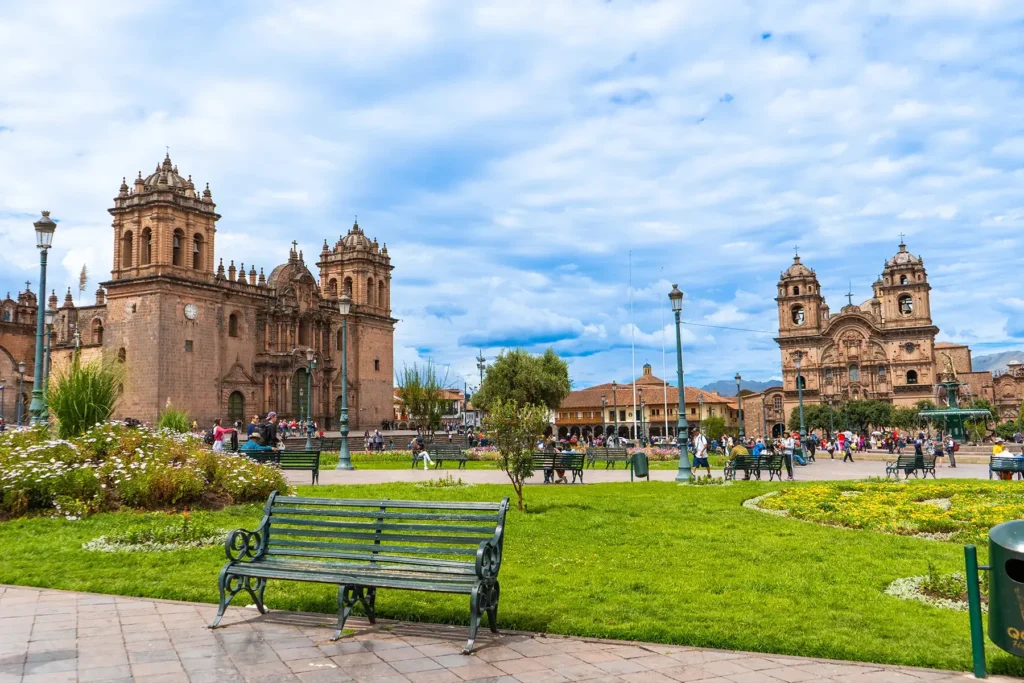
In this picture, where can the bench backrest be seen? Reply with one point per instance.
(1006, 462)
(298, 459)
(549, 459)
(446, 449)
(617, 453)
(905, 460)
(419, 535)
(767, 459)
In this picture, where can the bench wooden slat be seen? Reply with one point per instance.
(295, 521)
(452, 566)
(408, 572)
(353, 578)
(439, 550)
(360, 536)
(363, 514)
(403, 504)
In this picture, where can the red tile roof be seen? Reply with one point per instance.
(654, 390)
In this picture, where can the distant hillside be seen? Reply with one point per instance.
(727, 387)
(995, 361)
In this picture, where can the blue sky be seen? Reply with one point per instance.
(512, 155)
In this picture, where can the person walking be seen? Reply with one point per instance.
(848, 450)
(951, 447)
(253, 424)
(700, 453)
(218, 435)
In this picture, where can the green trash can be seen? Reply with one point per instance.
(638, 466)
(1006, 587)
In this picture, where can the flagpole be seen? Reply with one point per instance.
(632, 341)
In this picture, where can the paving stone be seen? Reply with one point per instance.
(104, 673)
(408, 666)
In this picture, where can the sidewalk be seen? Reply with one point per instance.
(822, 470)
(51, 636)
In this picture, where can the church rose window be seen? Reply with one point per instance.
(906, 303)
(798, 315)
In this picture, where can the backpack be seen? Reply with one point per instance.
(265, 430)
(208, 438)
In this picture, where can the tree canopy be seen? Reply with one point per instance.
(526, 379)
(421, 388)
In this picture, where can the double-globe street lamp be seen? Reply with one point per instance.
(344, 457)
(51, 314)
(310, 366)
(798, 358)
(45, 228)
(604, 415)
(684, 474)
(739, 404)
(615, 407)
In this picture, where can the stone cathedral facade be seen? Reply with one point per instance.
(230, 342)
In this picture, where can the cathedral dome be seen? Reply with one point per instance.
(291, 271)
(355, 239)
(166, 177)
(797, 269)
(903, 257)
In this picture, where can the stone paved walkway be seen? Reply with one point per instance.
(823, 470)
(51, 636)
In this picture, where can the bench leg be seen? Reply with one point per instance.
(348, 596)
(483, 600)
(370, 604)
(229, 586)
(492, 607)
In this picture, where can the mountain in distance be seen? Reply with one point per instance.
(727, 387)
(995, 361)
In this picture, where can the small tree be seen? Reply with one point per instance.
(421, 388)
(514, 429)
(520, 376)
(713, 427)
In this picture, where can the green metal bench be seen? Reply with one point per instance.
(1004, 463)
(290, 460)
(439, 452)
(745, 463)
(550, 460)
(609, 456)
(363, 545)
(911, 464)
(771, 463)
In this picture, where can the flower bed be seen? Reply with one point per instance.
(156, 532)
(959, 511)
(112, 466)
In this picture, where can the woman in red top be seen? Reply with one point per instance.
(218, 435)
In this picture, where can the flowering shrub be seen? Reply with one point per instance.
(160, 532)
(960, 511)
(110, 465)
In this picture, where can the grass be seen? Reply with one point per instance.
(401, 460)
(650, 562)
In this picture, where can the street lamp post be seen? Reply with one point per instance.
(700, 413)
(2, 399)
(764, 420)
(739, 404)
(45, 417)
(310, 366)
(44, 239)
(642, 437)
(481, 363)
(798, 358)
(682, 429)
(615, 407)
(21, 390)
(604, 414)
(344, 457)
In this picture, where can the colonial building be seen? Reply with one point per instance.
(764, 413)
(1008, 390)
(230, 342)
(592, 411)
(17, 345)
(883, 348)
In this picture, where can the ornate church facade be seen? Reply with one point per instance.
(883, 348)
(227, 342)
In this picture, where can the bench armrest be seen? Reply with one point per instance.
(243, 545)
(488, 559)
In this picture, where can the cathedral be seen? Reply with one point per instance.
(231, 342)
(883, 348)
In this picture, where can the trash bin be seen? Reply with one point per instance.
(1006, 587)
(638, 466)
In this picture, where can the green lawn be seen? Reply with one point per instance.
(645, 561)
(400, 460)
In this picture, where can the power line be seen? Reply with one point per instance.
(723, 327)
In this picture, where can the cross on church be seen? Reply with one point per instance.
(796, 250)
(295, 245)
(28, 284)
(849, 295)
(901, 238)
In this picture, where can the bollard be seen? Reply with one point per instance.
(974, 610)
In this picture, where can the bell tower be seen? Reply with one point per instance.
(904, 290)
(359, 268)
(802, 309)
(162, 224)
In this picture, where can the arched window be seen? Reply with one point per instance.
(381, 299)
(176, 246)
(369, 292)
(828, 373)
(347, 288)
(796, 290)
(233, 325)
(97, 331)
(236, 407)
(146, 247)
(126, 250)
(197, 251)
(801, 382)
(854, 373)
(906, 303)
(881, 373)
(911, 376)
(376, 364)
(122, 355)
(798, 315)
(903, 279)
(332, 287)
(304, 332)
(778, 403)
